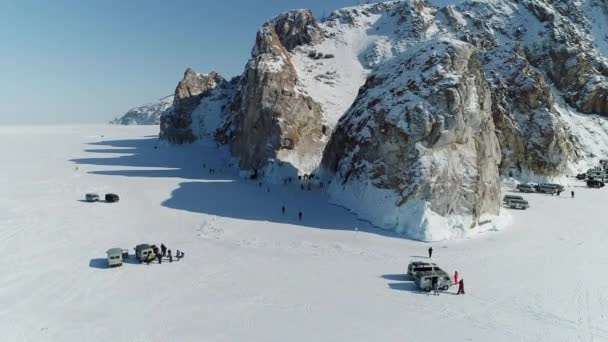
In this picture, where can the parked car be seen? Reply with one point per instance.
(506, 198)
(526, 187)
(114, 257)
(581, 176)
(517, 204)
(416, 267)
(594, 183)
(144, 252)
(111, 198)
(425, 280)
(548, 188)
(90, 197)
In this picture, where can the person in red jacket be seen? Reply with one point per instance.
(456, 277)
(460, 287)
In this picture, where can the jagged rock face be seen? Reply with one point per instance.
(147, 114)
(519, 61)
(421, 129)
(295, 28)
(176, 126)
(533, 139)
(573, 65)
(269, 117)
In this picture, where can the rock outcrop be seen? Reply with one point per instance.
(424, 107)
(147, 114)
(176, 125)
(420, 133)
(269, 117)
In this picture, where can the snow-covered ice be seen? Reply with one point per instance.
(252, 274)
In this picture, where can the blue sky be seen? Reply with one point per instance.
(73, 61)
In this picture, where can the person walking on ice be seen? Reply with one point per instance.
(163, 249)
(170, 256)
(572, 193)
(283, 209)
(460, 287)
(430, 252)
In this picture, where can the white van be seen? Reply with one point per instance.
(437, 279)
(114, 257)
(416, 267)
(518, 204)
(506, 199)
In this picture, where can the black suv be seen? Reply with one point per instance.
(594, 183)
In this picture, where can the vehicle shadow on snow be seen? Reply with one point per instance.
(101, 263)
(405, 283)
(221, 193)
(396, 277)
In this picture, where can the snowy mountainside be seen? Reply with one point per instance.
(147, 114)
(543, 63)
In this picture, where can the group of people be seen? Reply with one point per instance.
(456, 275)
(159, 254)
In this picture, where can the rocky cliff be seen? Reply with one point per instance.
(416, 110)
(176, 125)
(421, 135)
(269, 117)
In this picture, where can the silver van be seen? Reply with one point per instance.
(517, 204)
(506, 199)
(416, 267)
(526, 187)
(436, 279)
(91, 197)
(548, 189)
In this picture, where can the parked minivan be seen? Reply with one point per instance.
(144, 252)
(510, 197)
(518, 204)
(548, 189)
(416, 267)
(91, 197)
(114, 257)
(436, 278)
(526, 187)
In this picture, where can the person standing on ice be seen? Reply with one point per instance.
(572, 193)
(300, 216)
(283, 209)
(170, 256)
(163, 249)
(456, 277)
(460, 287)
(160, 258)
(177, 254)
(430, 252)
